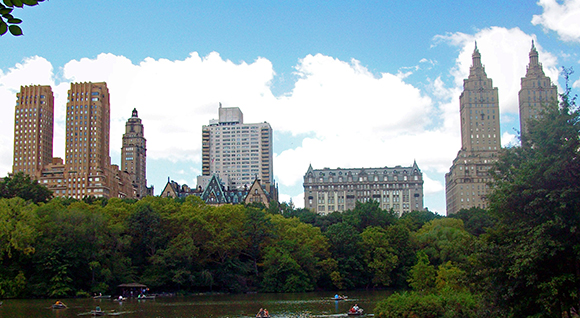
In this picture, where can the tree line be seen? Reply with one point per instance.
(68, 247)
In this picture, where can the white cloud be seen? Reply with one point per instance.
(509, 140)
(32, 71)
(297, 200)
(431, 186)
(174, 98)
(562, 18)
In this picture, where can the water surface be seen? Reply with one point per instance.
(315, 305)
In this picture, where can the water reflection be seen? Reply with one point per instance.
(296, 305)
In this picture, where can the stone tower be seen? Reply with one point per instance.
(466, 183)
(134, 154)
(537, 90)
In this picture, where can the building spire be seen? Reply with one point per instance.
(134, 114)
(476, 57)
(533, 55)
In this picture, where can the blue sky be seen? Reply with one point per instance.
(343, 83)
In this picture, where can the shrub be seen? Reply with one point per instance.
(417, 305)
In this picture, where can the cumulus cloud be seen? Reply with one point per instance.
(431, 186)
(32, 71)
(563, 18)
(509, 140)
(174, 98)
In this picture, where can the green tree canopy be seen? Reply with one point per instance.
(20, 185)
(531, 258)
(445, 240)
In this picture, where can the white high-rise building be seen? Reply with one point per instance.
(237, 152)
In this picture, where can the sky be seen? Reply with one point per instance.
(347, 84)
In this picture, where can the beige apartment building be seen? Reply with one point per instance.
(236, 152)
(33, 130)
(329, 190)
(537, 90)
(466, 184)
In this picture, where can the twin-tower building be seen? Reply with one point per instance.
(86, 169)
(466, 184)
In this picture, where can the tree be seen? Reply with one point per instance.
(422, 275)
(7, 20)
(379, 255)
(445, 240)
(345, 246)
(20, 185)
(294, 260)
(414, 220)
(530, 259)
(476, 220)
(17, 239)
(369, 214)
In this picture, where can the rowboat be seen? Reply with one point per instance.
(356, 313)
(146, 297)
(97, 313)
(102, 297)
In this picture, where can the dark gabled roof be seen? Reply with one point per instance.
(214, 192)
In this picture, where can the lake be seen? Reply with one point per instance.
(218, 306)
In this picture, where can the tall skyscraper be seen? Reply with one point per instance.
(33, 130)
(237, 152)
(87, 140)
(87, 169)
(398, 188)
(134, 154)
(466, 183)
(537, 90)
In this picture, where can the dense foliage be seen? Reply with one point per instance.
(20, 185)
(530, 260)
(66, 247)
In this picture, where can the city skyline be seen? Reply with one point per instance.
(342, 85)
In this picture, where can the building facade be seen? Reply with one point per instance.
(329, 190)
(87, 159)
(537, 90)
(466, 184)
(236, 152)
(134, 154)
(33, 130)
